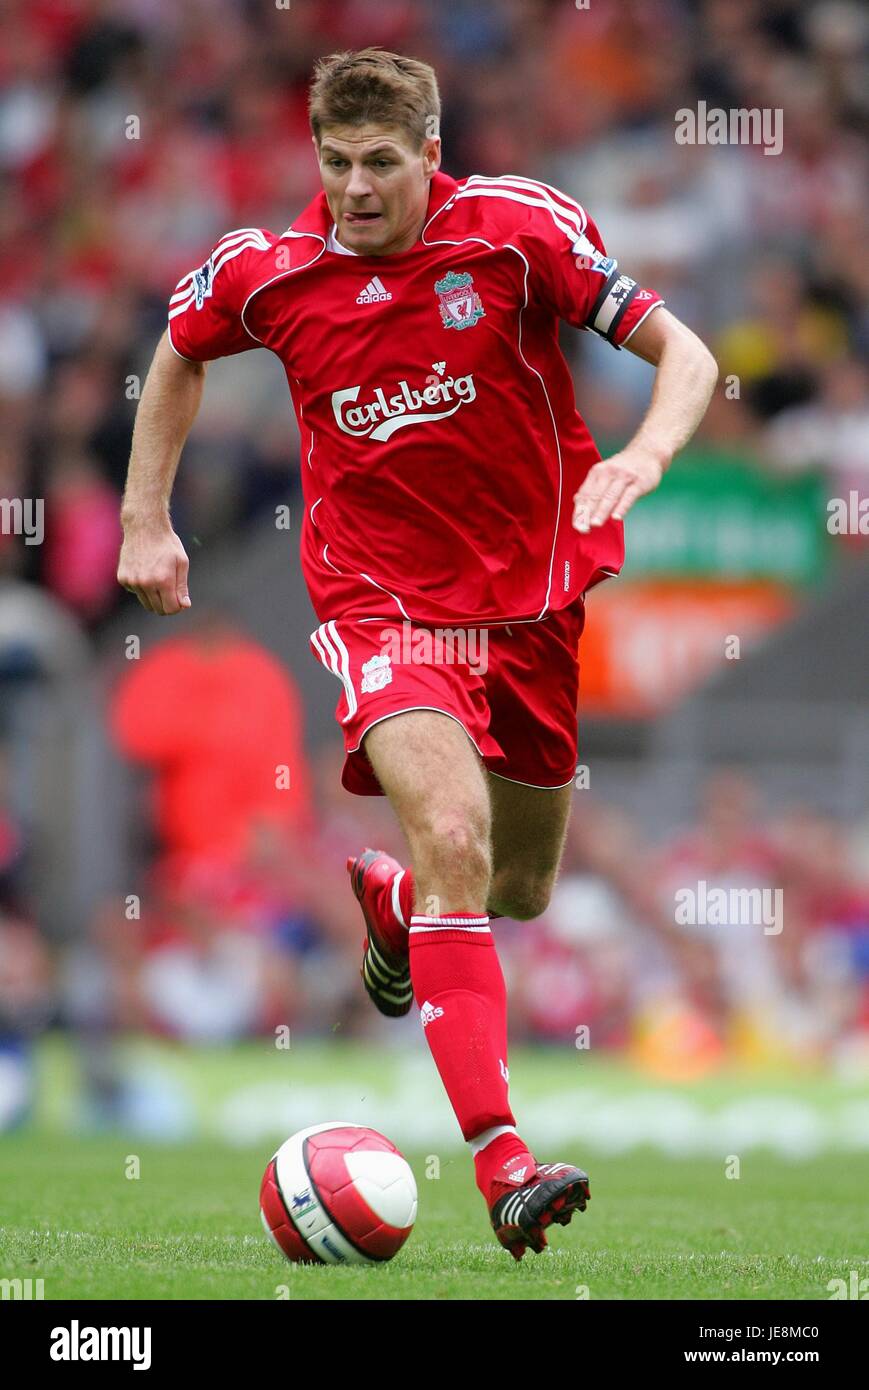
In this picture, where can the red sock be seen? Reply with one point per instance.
(459, 988)
(505, 1159)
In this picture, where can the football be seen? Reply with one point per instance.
(338, 1194)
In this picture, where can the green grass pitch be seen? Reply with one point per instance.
(657, 1226)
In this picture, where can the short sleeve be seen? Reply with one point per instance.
(573, 275)
(205, 311)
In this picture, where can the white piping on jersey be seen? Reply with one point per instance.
(539, 376)
(322, 639)
(174, 348)
(311, 445)
(231, 239)
(508, 246)
(658, 304)
(311, 512)
(506, 186)
(553, 195)
(517, 190)
(280, 276)
(232, 248)
(401, 606)
(328, 561)
(516, 197)
(233, 245)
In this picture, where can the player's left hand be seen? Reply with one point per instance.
(613, 485)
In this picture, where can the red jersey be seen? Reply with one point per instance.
(441, 444)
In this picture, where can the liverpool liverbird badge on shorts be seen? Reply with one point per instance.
(460, 305)
(376, 673)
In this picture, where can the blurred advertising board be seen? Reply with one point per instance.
(649, 643)
(717, 517)
(716, 559)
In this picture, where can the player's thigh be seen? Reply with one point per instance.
(529, 826)
(433, 776)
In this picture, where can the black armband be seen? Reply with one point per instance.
(610, 306)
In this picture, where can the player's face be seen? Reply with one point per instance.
(377, 186)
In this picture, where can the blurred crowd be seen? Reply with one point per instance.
(133, 133)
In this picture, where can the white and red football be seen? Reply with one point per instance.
(338, 1194)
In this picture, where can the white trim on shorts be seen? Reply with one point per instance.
(534, 785)
(407, 710)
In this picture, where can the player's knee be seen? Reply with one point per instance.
(459, 838)
(522, 900)
(456, 839)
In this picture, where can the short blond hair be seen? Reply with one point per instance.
(373, 87)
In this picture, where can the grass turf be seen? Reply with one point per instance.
(657, 1227)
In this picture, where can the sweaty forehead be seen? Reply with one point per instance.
(364, 139)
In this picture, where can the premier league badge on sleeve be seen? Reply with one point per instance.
(587, 257)
(460, 305)
(203, 283)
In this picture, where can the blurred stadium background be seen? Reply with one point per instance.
(164, 907)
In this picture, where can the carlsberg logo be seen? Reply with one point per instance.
(382, 416)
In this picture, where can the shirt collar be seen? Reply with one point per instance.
(317, 218)
(333, 244)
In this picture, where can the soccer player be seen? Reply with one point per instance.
(456, 514)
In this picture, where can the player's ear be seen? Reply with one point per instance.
(431, 157)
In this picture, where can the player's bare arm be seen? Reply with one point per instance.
(153, 564)
(684, 381)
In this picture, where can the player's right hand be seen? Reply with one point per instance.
(153, 565)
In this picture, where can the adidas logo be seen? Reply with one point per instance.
(375, 292)
(428, 1013)
(518, 1175)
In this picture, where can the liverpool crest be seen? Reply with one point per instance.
(460, 305)
(376, 673)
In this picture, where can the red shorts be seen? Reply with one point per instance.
(513, 689)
